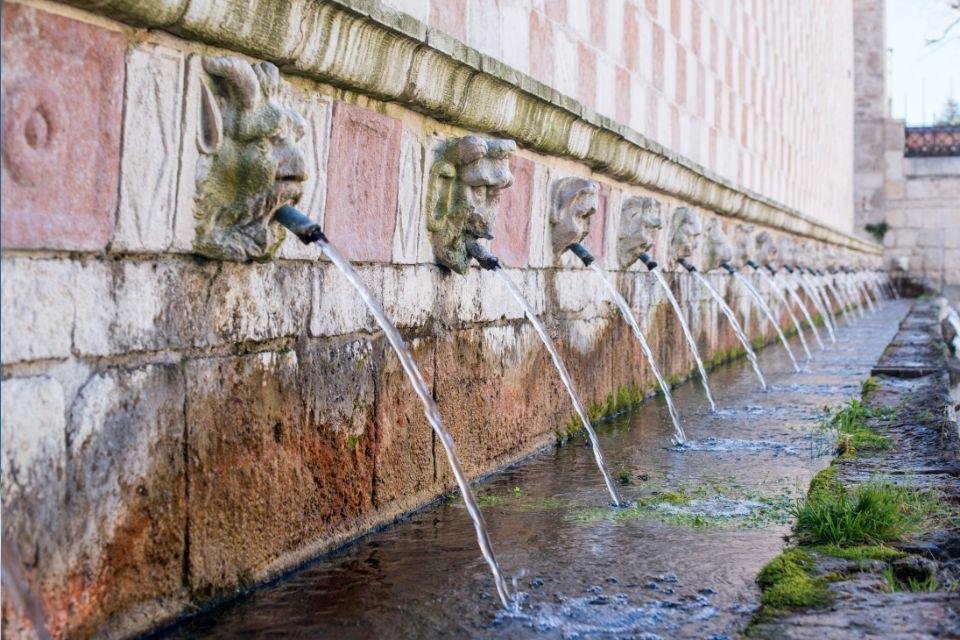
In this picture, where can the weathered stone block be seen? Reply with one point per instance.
(63, 91)
(362, 183)
(511, 234)
(150, 160)
(596, 240)
(405, 468)
(411, 295)
(126, 529)
(337, 309)
(38, 309)
(411, 239)
(295, 449)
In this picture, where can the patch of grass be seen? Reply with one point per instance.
(854, 436)
(926, 585)
(871, 513)
(861, 552)
(787, 582)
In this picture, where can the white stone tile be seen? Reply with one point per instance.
(411, 294)
(36, 317)
(606, 86)
(411, 239)
(183, 223)
(419, 9)
(566, 62)
(614, 28)
(33, 435)
(515, 34)
(483, 27)
(541, 253)
(150, 159)
(337, 308)
(94, 308)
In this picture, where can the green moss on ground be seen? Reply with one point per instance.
(861, 552)
(854, 436)
(788, 581)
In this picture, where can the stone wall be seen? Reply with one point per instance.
(177, 427)
(922, 211)
(870, 113)
(739, 87)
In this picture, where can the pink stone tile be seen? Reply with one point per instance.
(587, 78)
(675, 18)
(449, 16)
(675, 132)
(701, 90)
(62, 105)
(631, 37)
(361, 207)
(712, 152)
(652, 8)
(658, 49)
(717, 103)
(713, 46)
(598, 25)
(696, 19)
(556, 10)
(623, 106)
(594, 242)
(681, 84)
(651, 115)
(728, 63)
(511, 230)
(541, 48)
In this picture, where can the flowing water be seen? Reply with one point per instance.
(866, 293)
(431, 411)
(821, 291)
(727, 311)
(848, 286)
(797, 300)
(841, 303)
(567, 382)
(766, 310)
(815, 299)
(678, 435)
(786, 305)
(689, 336)
(679, 564)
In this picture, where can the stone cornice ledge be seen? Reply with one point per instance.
(372, 49)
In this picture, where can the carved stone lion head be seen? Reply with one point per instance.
(639, 222)
(746, 243)
(250, 163)
(719, 250)
(464, 195)
(573, 203)
(687, 228)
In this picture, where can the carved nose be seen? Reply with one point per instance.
(291, 164)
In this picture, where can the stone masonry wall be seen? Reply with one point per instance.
(176, 428)
(922, 210)
(759, 92)
(870, 113)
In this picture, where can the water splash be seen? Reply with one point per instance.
(17, 588)
(689, 336)
(766, 310)
(679, 436)
(813, 297)
(430, 410)
(567, 382)
(797, 300)
(722, 445)
(793, 316)
(727, 311)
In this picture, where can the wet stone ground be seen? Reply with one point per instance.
(912, 405)
(680, 563)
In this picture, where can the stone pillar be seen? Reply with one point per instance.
(870, 113)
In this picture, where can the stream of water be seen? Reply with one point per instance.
(567, 382)
(728, 312)
(627, 313)
(765, 308)
(689, 336)
(814, 297)
(786, 305)
(797, 300)
(680, 563)
(429, 409)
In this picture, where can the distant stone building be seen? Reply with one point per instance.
(906, 180)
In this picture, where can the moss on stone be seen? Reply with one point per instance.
(861, 552)
(788, 582)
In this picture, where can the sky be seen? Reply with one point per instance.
(921, 76)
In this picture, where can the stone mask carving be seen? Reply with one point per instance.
(719, 250)
(686, 229)
(250, 163)
(464, 195)
(639, 222)
(786, 251)
(766, 248)
(573, 203)
(746, 243)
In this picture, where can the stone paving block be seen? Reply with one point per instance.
(362, 185)
(150, 159)
(63, 92)
(511, 230)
